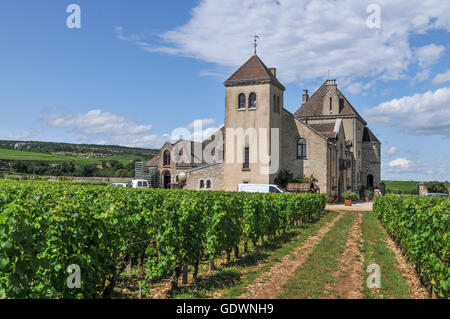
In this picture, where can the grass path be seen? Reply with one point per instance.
(310, 279)
(349, 275)
(251, 273)
(270, 285)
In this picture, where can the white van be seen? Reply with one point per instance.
(139, 183)
(260, 188)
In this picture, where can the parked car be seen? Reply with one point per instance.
(118, 185)
(139, 183)
(435, 195)
(260, 188)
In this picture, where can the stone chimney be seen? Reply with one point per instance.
(331, 86)
(273, 71)
(305, 96)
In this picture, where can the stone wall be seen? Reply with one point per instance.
(371, 163)
(316, 160)
(74, 178)
(213, 172)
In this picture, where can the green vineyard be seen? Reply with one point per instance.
(422, 227)
(45, 227)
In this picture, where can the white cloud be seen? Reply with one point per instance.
(429, 54)
(422, 114)
(442, 78)
(421, 76)
(400, 162)
(358, 87)
(98, 122)
(113, 129)
(304, 39)
(24, 135)
(417, 171)
(200, 123)
(108, 127)
(197, 130)
(392, 151)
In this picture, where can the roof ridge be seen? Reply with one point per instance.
(253, 69)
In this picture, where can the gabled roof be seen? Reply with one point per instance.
(368, 136)
(153, 162)
(253, 70)
(326, 129)
(314, 106)
(195, 161)
(329, 130)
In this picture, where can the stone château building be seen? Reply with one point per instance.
(325, 137)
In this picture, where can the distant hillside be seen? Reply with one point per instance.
(65, 159)
(404, 187)
(78, 150)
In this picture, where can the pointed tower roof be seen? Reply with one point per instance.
(254, 70)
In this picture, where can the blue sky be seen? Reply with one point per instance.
(137, 70)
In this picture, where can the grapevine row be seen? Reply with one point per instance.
(44, 227)
(421, 225)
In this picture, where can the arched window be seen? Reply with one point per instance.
(208, 184)
(252, 101)
(202, 184)
(166, 158)
(241, 101)
(301, 148)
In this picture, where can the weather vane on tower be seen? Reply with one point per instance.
(255, 44)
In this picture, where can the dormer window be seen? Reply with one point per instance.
(241, 101)
(252, 101)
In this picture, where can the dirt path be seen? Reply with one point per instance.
(418, 291)
(270, 284)
(349, 276)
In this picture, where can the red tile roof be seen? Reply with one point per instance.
(326, 129)
(253, 70)
(153, 162)
(314, 106)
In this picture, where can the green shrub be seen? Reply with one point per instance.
(436, 187)
(349, 195)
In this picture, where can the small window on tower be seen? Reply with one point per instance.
(274, 103)
(331, 104)
(252, 101)
(241, 101)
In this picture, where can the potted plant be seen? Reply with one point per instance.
(348, 197)
(368, 195)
